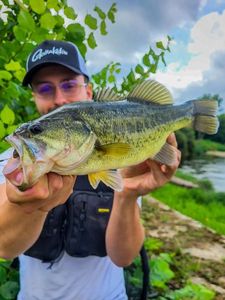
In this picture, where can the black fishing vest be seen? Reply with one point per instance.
(78, 226)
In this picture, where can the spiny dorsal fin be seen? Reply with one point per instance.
(106, 95)
(151, 91)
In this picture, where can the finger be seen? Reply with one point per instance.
(57, 182)
(169, 171)
(172, 140)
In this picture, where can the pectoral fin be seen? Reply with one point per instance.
(110, 178)
(167, 155)
(115, 150)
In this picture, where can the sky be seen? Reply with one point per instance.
(196, 63)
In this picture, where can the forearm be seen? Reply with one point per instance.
(125, 233)
(18, 230)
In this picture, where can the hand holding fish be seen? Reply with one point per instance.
(50, 191)
(149, 175)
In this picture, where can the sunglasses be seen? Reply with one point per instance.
(68, 87)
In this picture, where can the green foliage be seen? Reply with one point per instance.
(148, 65)
(201, 146)
(190, 292)
(7, 126)
(25, 24)
(9, 277)
(186, 142)
(192, 147)
(220, 136)
(202, 204)
(161, 274)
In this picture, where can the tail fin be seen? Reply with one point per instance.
(207, 107)
(205, 116)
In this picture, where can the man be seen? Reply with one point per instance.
(48, 222)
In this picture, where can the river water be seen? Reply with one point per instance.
(212, 169)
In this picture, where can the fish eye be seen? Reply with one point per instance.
(15, 154)
(35, 128)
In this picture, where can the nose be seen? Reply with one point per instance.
(59, 97)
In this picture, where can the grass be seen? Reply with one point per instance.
(202, 204)
(202, 146)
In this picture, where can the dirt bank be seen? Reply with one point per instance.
(199, 250)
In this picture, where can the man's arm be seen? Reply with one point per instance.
(22, 214)
(125, 233)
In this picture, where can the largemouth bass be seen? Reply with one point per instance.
(99, 138)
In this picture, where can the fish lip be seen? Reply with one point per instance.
(18, 142)
(15, 142)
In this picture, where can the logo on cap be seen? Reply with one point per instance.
(54, 51)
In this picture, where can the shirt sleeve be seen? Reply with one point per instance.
(3, 160)
(139, 201)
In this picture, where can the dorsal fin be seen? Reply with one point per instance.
(106, 95)
(151, 91)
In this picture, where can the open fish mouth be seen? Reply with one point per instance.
(24, 160)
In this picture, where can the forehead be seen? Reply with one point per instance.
(52, 72)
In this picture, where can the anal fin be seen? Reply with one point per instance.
(111, 178)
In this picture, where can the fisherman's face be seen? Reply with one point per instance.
(56, 85)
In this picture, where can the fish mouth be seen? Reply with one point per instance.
(22, 162)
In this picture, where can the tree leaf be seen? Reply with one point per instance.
(39, 35)
(91, 22)
(10, 129)
(7, 115)
(82, 48)
(111, 78)
(160, 45)
(60, 20)
(48, 21)
(131, 77)
(111, 13)
(53, 4)
(13, 66)
(100, 13)
(76, 32)
(2, 134)
(20, 33)
(91, 41)
(9, 289)
(139, 69)
(2, 270)
(70, 13)
(5, 75)
(38, 6)
(20, 74)
(26, 21)
(146, 60)
(103, 28)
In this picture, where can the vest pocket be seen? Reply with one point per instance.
(49, 245)
(87, 221)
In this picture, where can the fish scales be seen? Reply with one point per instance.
(139, 127)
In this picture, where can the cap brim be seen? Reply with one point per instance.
(29, 75)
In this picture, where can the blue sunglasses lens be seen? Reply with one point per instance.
(45, 88)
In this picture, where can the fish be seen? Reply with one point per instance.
(99, 138)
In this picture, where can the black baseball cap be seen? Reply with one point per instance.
(55, 52)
